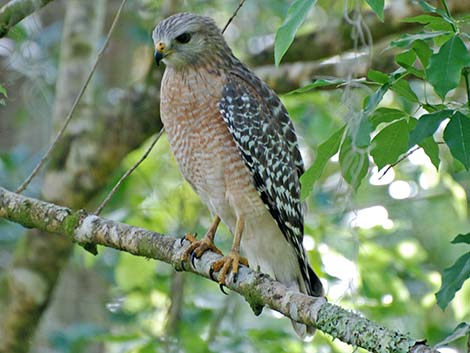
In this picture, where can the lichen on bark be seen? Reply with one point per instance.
(259, 289)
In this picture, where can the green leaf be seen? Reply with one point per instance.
(354, 163)
(403, 89)
(407, 60)
(461, 330)
(440, 41)
(426, 7)
(431, 108)
(361, 134)
(423, 19)
(445, 67)
(436, 23)
(427, 126)
(378, 7)
(386, 115)
(317, 84)
(461, 238)
(286, 33)
(423, 52)
(372, 100)
(431, 148)
(457, 166)
(390, 143)
(325, 151)
(408, 39)
(412, 123)
(452, 280)
(134, 272)
(429, 8)
(457, 137)
(378, 76)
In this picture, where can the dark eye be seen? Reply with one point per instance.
(183, 38)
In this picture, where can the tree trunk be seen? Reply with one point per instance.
(40, 256)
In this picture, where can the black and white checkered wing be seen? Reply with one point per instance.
(265, 136)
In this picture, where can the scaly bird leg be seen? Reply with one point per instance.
(199, 247)
(233, 259)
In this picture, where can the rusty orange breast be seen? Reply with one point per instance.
(202, 144)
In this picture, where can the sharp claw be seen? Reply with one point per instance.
(193, 256)
(182, 266)
(235, 277)
(221, 286)
(211, 274)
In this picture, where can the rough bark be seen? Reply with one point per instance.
(16, 10)
(257, 288)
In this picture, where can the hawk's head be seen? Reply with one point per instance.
(186, 38)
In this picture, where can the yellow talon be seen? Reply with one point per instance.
(199, 247)
(231, 261)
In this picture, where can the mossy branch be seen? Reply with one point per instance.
(257, 288)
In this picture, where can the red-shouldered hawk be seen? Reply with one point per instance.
(235, 144)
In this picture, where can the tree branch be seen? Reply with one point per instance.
(16, 10)
(257, 288)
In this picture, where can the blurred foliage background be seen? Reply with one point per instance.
(380, 250)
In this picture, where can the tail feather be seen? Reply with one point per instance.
(315, 287)
(264, 245)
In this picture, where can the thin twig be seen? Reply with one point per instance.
(234, 14)
(129, 172)
(410, 152)
(61, 132)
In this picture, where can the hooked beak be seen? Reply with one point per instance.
(158, 57)
(161, 50)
